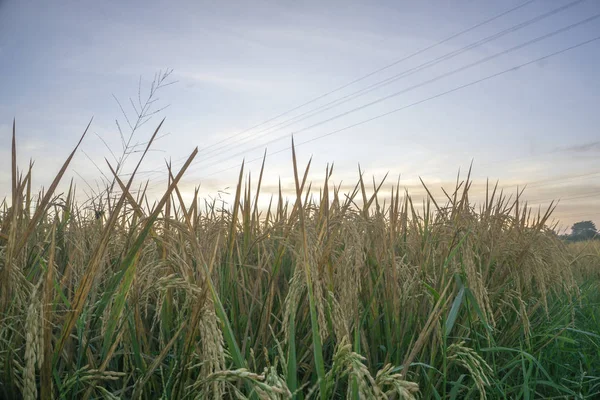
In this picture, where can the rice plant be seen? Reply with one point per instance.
(354, 295)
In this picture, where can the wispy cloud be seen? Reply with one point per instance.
(228, 81)
(581, 148)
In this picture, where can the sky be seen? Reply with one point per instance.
(389, 85)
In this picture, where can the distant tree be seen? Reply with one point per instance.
(584, 230)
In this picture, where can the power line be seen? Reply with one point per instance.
(386, 67)
(483, 60)
(579, 215)
(370, 74)
(576, 197)
(544, 182)
(337, 102)
(441, 94)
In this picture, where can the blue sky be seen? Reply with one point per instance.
(238, 64)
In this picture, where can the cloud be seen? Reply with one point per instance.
(230, 82)
(32, 144)
(581, 148)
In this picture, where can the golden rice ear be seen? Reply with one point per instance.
(14, 164)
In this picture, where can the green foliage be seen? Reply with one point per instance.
(584, 230)
(581, 232)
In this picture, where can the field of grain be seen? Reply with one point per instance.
(333, 296)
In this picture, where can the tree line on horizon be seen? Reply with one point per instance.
(581, 231)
